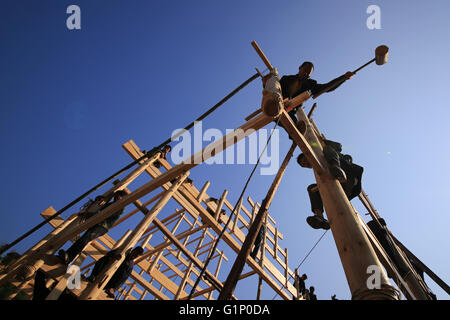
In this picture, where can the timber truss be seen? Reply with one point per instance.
(177, 225)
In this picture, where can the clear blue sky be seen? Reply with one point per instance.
(139, 70)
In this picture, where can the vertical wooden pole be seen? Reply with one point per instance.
(286, 271)
(354, 248)
(238, 266)
(275, 245)
(220, 205)
(236, 215)
(203, 191)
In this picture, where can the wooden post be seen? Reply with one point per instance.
(238, 266)
(201, 195)
(355, 251)
(275, 245)
(93, 290)
(220, 204)
(286, 271)
(254, 211)
(236, 215)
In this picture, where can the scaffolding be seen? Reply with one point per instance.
(179, 242)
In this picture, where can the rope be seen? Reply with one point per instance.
(231, 215)
(148, 154)
(307, 255)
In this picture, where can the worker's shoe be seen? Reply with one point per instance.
(62, 254)
(338, 173)
(318, 222)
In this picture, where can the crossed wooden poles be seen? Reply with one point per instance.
(354, 247)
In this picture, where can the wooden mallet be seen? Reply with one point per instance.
(381, 57)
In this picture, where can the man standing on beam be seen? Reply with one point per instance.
(293, 85)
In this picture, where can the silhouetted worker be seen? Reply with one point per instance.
(93, 233)
(333, 297)
(351, 187)
(293, 85)
(123, 272)
(164, 151)
(301, 284)
(40, 290)
(258, 240)
(312, 296)
(187, 180)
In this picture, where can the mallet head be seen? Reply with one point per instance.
(381, 55)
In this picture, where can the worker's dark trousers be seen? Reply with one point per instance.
(257, 243)
(99, 265)
(91, 234)
(40, 291)
(316, 200)
(331, 155)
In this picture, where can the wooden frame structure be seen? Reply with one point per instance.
(176, 244)
(177, 241)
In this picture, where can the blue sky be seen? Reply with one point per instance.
(69, 99)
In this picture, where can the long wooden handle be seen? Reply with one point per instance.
(365, 65)
(262, 55)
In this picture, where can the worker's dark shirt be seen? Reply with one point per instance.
(301, 285)
(120, 276)
(109, 222)
(312, 296)
(352, 187)
(291, 87)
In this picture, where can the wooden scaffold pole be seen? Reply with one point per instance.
(354, 248)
